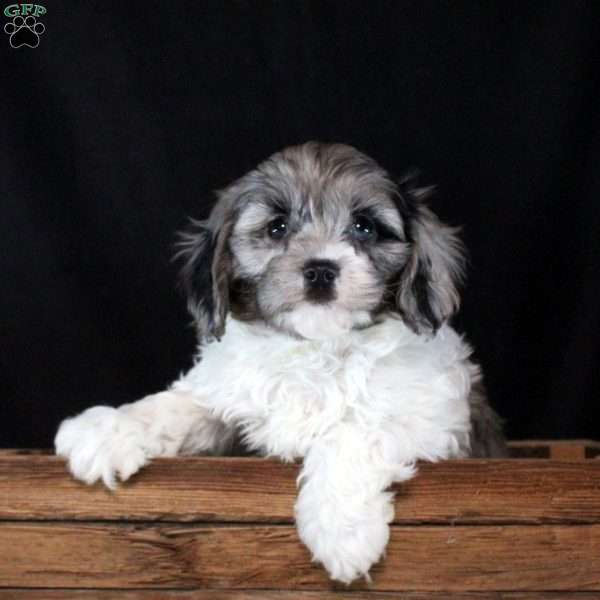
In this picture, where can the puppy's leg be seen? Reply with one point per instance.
(486, 439)
(106, 443)
(343, 510)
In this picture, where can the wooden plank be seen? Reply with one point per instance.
(426, 558)
(570, 452)
(256, 595)
(177, 489)
(555, 449)
(190, 489)
(68, 594)
(501, 491)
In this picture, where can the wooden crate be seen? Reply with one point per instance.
(216, 528)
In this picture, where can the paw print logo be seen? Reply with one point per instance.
(24, 31)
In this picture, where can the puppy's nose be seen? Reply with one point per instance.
(320, 273)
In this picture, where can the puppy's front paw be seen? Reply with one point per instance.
(346, 542)
(102, 443)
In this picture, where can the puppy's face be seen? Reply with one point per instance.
(318, 240)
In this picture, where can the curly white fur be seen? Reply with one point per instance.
(360, 409)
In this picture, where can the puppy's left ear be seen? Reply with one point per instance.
(427, 293)
(205, 274)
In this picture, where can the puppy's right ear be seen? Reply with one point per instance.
(205, 274)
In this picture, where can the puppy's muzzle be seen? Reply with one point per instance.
(319, 280)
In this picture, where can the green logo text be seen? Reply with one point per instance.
(16, 10)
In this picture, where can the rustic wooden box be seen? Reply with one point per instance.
(215, 528)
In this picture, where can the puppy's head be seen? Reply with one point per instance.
(317, 240)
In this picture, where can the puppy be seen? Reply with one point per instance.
(321, 291)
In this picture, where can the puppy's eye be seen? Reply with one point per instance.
(277, 228)
(363, 228)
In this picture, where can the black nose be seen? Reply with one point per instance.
(320, 273)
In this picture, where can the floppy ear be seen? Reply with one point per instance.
(427, 292)
(205, 274)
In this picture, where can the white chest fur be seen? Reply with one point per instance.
(283, 393)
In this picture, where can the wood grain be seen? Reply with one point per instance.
(69, 594)
(426, 558)
(242, 490)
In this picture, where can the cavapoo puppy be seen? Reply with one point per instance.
(321, 290)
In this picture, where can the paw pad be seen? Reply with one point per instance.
(24, 31)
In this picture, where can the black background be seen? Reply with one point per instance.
(127, 115)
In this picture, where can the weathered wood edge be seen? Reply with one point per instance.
(247, 490)
(70, 594)
(496, 558)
